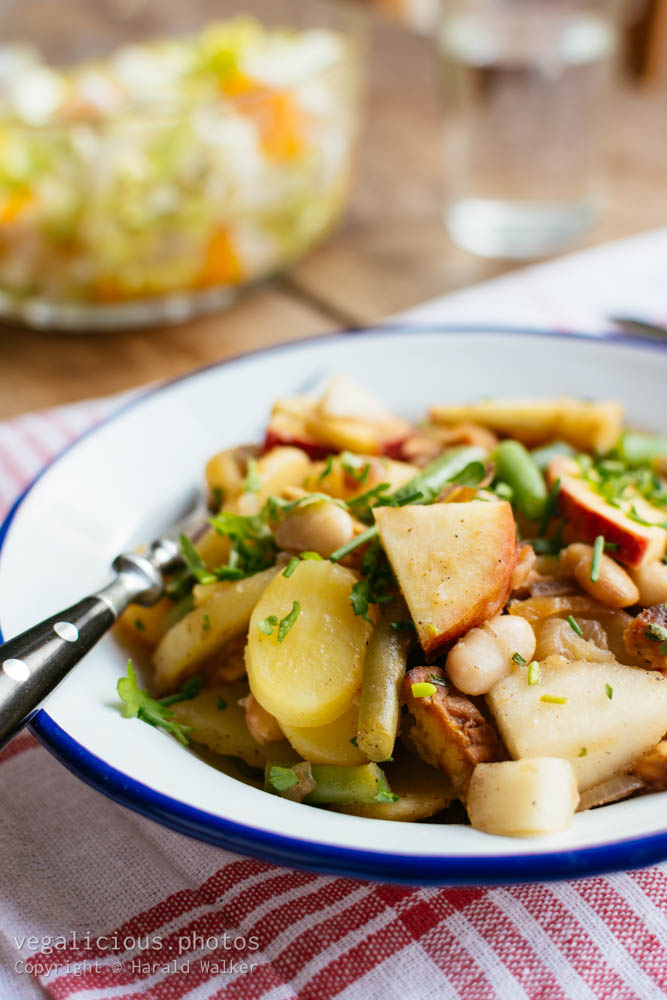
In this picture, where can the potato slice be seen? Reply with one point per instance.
(422, 791)
(585, 425)
(218, 722)
(330, 744)
(146, 624)
(224, 614)
(521, 798)
(314, 674)
(612, 714)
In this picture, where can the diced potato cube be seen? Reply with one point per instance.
(522, 798)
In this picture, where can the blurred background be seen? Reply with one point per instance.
(180, 183)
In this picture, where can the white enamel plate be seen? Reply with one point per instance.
(126, 480)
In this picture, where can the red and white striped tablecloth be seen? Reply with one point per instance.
(100, 904)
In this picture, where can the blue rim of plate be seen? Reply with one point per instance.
(635, 852)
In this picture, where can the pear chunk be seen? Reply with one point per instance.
(602, 717)
(453, 563)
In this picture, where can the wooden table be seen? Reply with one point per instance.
(390, 253)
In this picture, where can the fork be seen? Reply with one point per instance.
(34, 662)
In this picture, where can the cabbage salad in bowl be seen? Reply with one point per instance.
(147, 185)
(461, 618)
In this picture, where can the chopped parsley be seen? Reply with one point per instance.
(194, 561)
(518, 659)
(583, 752)
(221, 704)
(139, 704)
(282, 778)
(534, 672)
(574, 625)
(268, 624)
(253, 482)
(327, 470)
(353, 741)
(657, 633)
(376, 583)
(139, 625)
(598, 549)
(609, 691)
(291, 566)
(384, 795)
(423, 689)
(206, 623)
(355, 467)
(403, 625)
(190, 689)
(366, 536)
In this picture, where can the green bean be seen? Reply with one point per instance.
(423, 488)
(384, 669)
(542, 456)
(334, 785)
(515, 466)
(435, 476)
(640, 449)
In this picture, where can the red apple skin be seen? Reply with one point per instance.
(589, 515)
(276, 436)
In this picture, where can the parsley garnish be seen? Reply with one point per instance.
(291, 566)
(355, 467)
(327, 470)
(190, 689)
(574, 625)
(194, 561)
(404, 625)
(268, 624)
(139, 625)
(598, 549)
(353, 741)
(282, 778)
(384, 795)
(139, 704)
(206, 623)
(221, 704)
(583, 752)
(288, 621)
(518, 659)
(609, 691)
(253, 482)
(366, 536)
(374, 587)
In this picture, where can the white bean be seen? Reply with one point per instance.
(613, 587)
(484, 655)
(651, 582)
(316, 527)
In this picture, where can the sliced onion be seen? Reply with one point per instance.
(618, 787)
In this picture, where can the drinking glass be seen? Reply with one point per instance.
(526, 83)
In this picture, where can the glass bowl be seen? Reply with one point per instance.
(157, 155)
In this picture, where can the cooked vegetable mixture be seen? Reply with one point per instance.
(385, 618)
(177, 165)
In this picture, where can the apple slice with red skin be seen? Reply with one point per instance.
(453, 563)
(345, 418)
(588, 514)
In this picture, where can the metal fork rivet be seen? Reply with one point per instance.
(66, 631)
(16, 670)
